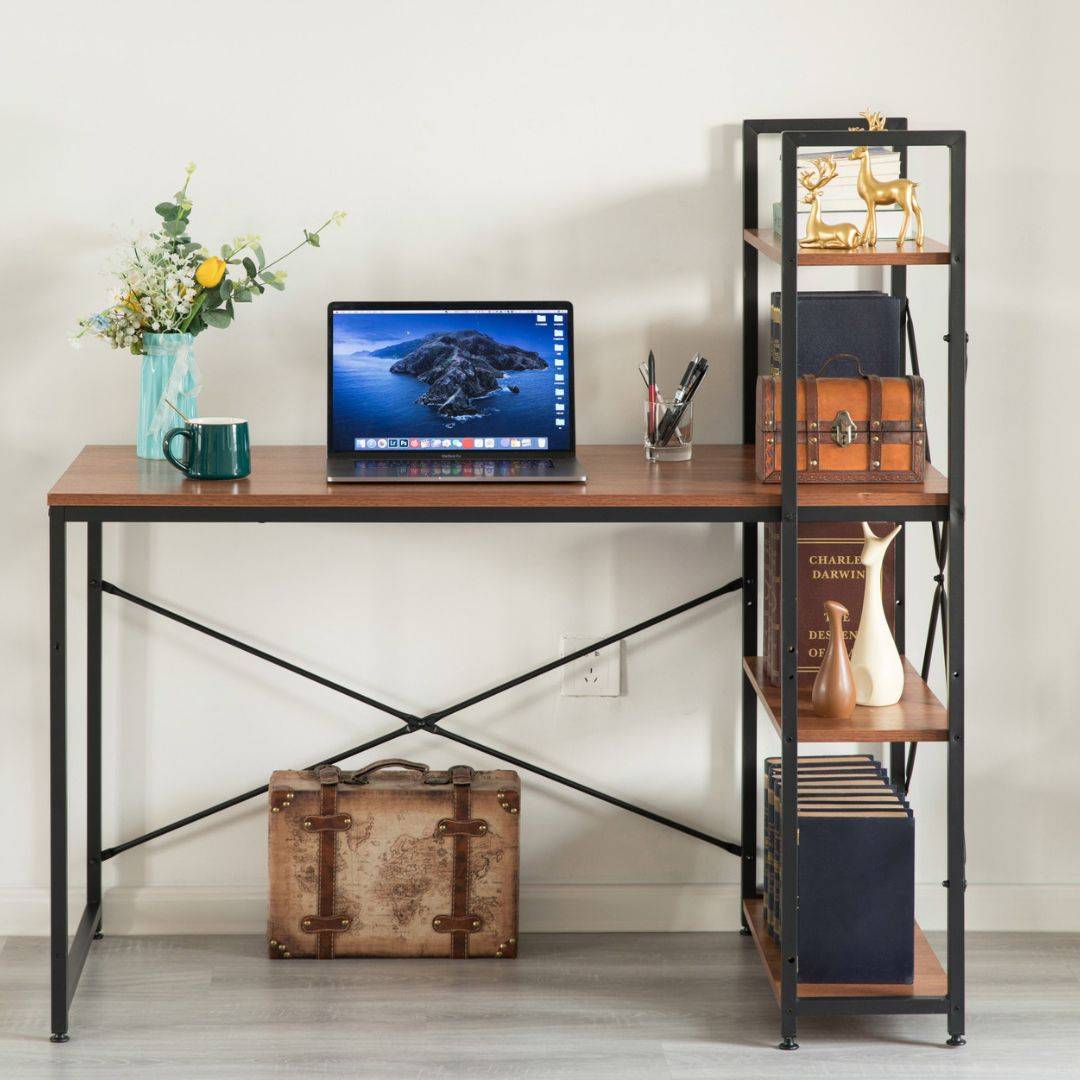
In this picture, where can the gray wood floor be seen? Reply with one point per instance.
(679, 1006)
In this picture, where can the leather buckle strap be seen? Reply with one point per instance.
(457, 924)
(460, 923)
(327, 879)
(325, 924)
(458, 774)
(453, 827)
(327, 823)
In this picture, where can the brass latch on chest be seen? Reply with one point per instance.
(843, 429)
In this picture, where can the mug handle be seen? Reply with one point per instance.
(184, 465)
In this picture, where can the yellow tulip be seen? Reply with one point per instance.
(210, 272)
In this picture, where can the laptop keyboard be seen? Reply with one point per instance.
(419, 468)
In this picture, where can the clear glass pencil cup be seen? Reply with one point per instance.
(669, 430)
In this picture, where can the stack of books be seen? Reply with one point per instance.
(856, 876)
(840, 199)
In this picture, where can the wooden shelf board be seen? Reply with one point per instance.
(930, 978)
(718, 476)
(886, 253)
(917, 717)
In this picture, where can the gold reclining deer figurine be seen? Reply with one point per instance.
(818, 233)
(877, 193)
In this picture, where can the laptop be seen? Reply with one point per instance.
(449, 391)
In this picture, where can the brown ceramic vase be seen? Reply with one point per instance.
(833, 695)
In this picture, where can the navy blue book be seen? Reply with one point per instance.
(856, 782)
(857, 896)
(849, 777)
(866, 323)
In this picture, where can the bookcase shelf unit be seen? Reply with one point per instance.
(920, 716)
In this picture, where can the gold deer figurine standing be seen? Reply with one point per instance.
(877, 193)
(818, 233)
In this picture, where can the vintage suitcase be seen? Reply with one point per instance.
(863, 429)
(394, 859)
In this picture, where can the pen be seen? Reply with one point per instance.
(652, 395)
(687, 374)
(683, 398)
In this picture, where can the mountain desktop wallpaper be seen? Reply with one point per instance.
(461, 373)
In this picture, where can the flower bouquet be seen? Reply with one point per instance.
(171, 289)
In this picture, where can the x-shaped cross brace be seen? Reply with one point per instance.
(431, 722)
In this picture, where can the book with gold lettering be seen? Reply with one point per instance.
(829, 569)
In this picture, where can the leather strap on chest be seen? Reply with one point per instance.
(877, 428)
(810, 388)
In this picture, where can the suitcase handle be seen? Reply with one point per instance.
(360, 776)
(843, 356)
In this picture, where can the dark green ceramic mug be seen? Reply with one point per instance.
(217, 448)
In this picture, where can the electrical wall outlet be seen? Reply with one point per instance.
(596, 674)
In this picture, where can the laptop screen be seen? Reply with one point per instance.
(449, 379)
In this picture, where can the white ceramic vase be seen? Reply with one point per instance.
(875, 660)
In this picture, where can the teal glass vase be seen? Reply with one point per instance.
(169, 373)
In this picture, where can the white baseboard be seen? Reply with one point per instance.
(544, 908)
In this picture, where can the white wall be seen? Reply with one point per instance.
(513, 150)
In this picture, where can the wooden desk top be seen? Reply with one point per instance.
(618, 476)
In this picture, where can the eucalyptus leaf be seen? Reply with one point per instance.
(259, 289)
(242, 296)
(250, 266)
(226, 251)
(225, 288)
(313, 239)
(167, 210)
(275, 284)
(175, 227)
(260, 258)
(229, 309)
(220, 319)
(213, 299)
(189, 248)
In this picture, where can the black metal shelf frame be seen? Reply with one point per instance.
(948, 548)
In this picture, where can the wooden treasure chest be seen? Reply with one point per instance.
(394, 859)
(861, 429)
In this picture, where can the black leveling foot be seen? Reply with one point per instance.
(788, 1043)
(98, 935)
(744, 930)
(61, 1036)
(956, 1040)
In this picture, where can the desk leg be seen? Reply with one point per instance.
(748, 835)
(93, 717)
(58, 769)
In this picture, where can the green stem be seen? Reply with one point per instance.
(199, 301)
(303, 243)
